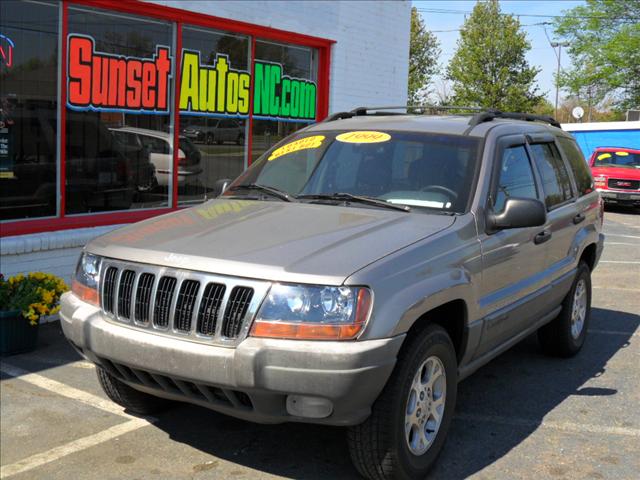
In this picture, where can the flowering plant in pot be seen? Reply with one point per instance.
(23, 300)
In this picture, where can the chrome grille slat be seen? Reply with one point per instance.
(236, 311)
(163, 301)
(142, 304)
(195, 306)
(185, 305)
(125, 288)
(209, 310)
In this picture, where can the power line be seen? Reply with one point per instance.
(535, 15)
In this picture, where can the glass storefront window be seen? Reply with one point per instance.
(119, 141)
(28, 109)
(214, 108)
(285, 95)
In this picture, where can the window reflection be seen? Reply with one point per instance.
(28, 107)
(119, 145)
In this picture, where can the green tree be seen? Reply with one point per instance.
(489, 68)
(424, 50)
(604, 46)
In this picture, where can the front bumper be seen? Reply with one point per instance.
(621, 197)
(251, 381)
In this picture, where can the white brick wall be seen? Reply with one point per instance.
(369, 64)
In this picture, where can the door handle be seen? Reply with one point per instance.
(542, 237)
(578, 218)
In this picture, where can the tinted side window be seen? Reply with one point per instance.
(581, 172)
(555, 178)
(516, 177)
(156, 145)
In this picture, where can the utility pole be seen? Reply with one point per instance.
(559, 45)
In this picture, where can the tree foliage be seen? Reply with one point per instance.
(604, 38)
(489, 68)
(424, 50)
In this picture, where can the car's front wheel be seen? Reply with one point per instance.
(409, 421)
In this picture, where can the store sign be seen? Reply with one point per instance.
(6, 51)
(220, 89)
(101, 81)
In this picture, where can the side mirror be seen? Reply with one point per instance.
(518, 213)
(220, 186)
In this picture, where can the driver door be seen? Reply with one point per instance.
(512, 258)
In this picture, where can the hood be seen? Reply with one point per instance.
(628, 173)
(279, 241)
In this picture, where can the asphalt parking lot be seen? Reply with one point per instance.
(522, 416)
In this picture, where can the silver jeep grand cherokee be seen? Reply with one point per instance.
(351, 276)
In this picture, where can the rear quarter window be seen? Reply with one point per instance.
(581, 172)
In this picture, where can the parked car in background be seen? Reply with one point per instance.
(215, 130)
(616, 174)
(160, 147)
(351, 276)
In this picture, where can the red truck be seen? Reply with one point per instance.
(616, 174)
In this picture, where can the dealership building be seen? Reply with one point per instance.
(114, 111)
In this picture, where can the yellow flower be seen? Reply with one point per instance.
(47, 296)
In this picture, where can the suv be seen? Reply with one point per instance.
(616, 173)
(352, 276)
(213, 130)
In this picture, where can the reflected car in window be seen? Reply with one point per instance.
(160, 147)
(214, 130)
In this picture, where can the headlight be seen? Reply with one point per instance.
(313, 312)
(85, 280)
(600, 181)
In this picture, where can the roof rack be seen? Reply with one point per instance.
(492, 114)
(409, 109)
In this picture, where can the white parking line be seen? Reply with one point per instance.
(622, 289)
(552, 425)
(64, 390)
(623, 236)
(627, 262)
(614, 332)
(60, 388)
(57, 453)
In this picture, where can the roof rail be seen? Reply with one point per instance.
(492, 114)
(409, 109)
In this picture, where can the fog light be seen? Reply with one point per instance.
(309, 407)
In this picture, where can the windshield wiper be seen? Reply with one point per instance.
(265, 189)
(348, 197)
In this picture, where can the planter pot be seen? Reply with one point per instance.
(17, 335)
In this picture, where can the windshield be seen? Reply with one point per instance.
(431, 171)
(617, 159)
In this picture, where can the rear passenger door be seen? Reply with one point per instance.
(559, 197)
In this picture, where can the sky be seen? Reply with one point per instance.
(440, 16)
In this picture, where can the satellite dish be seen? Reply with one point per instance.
(578, 113)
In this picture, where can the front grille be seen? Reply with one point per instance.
(624, 184)
(203, 307)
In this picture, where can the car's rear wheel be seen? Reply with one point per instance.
(410, 420)
(565, 335)
(130, 398)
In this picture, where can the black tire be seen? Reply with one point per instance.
(556, 337)
(131, 399)
(378, 447)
